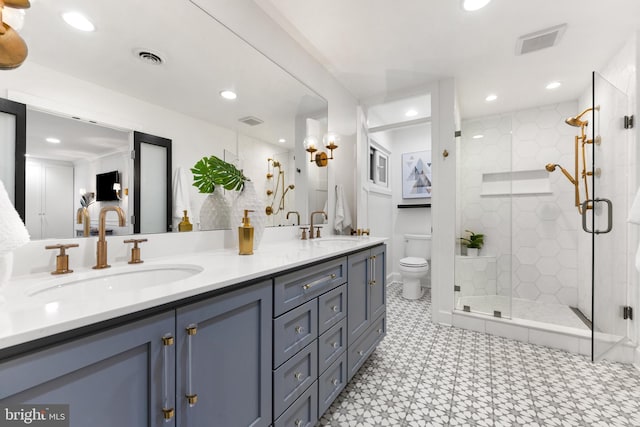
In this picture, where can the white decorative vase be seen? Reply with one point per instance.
(473, 251)
(248, 199)
(6, 267)
(215, 213)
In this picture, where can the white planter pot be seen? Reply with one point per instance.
(215, 213)
(473, 251)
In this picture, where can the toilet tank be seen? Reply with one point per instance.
(417, 245)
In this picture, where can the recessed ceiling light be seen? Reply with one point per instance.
(228, 94)
(477, 136)
(472, 5)
(553, 85)
(78, 21)
(282, 140)
(53, 140)
(411, 113)
(491, 98)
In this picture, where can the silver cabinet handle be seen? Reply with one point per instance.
(298, 375)
(379, 331)
(361, 353)
(585, 204)
(334, 345)
(334, 381)
(310, 285)
(299, 330)
(335, 308)
(298, 422)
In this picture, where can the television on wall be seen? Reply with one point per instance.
(104, 186)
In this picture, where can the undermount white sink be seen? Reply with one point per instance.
(102, 282)
(335, 242)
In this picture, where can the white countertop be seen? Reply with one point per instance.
(25, 318)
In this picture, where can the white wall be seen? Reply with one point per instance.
(406, 221)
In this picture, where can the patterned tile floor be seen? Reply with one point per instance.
(423, 374)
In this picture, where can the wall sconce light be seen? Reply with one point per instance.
(13, 49)
(321, 159)
(116, 189)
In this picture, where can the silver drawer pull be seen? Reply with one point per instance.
(361, 353)
(380, 331)
(318, 282)
(334, 345)
(298, 375)
(298, 422)
(335, 308)
(334, 381)
(299, 329)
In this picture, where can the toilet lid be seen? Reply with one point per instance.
(414, 262)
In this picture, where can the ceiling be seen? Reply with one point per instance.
(379, 47)
(202, 58)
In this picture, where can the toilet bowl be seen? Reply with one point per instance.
(415, 265)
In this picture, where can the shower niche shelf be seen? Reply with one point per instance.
(521, 182)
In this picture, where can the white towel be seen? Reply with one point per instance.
(634, 218)
(181, 201)
(343, 215)
(13, 233)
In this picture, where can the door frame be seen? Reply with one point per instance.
(18, 110)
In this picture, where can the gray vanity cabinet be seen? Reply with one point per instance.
(367, 290)
(224, 353)
(120, 377)
(366, 305)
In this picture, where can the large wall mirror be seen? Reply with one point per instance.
(140, 72)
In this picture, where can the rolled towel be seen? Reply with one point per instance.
(13, 233)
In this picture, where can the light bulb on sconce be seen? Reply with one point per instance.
(321, 159)
(116, 189)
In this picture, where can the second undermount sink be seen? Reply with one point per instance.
(102, 282)
(334, 242)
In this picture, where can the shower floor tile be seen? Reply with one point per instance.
(424, 374)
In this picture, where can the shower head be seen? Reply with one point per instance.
(575, 121)
(550, 167)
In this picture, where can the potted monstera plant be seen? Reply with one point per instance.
(212, 174)
(473, 242)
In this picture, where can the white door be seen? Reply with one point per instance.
(57, 201)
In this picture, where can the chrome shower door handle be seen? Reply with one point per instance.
(585, 205)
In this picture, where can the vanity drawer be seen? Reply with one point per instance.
(294, 330)
(331, 383)
(303, 413)
(332, 307)
(294, 377)
(364, 346)
(331, 344)
(291, 290)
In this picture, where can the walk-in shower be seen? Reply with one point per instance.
(541, 263)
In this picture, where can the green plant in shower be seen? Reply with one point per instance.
(211, 171)
(474, 240)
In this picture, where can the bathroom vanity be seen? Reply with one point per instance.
(264, 340)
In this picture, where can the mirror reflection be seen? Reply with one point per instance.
(102, 77)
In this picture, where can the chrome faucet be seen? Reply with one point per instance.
(311, 221)
(294, 212)
(101, 252)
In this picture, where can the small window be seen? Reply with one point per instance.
(378, 166)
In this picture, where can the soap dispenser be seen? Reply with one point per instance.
(185, 225)
(245, 235)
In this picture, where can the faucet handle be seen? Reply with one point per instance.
(62, 259)
(304, 233)
(366, 231)
(135, 251)
(317, 231)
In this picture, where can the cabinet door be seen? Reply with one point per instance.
(114, 378)
(378, 286)
(226, 361)
(358, 294)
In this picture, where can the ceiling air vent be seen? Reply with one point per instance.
(540, 39)
(251, 121)
(148, 57)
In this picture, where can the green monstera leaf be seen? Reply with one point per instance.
(211, 171)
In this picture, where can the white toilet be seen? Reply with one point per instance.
(415, 265)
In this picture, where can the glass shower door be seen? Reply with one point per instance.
(605, 222)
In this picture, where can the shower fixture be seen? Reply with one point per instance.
(579, 151)
(279, 178)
